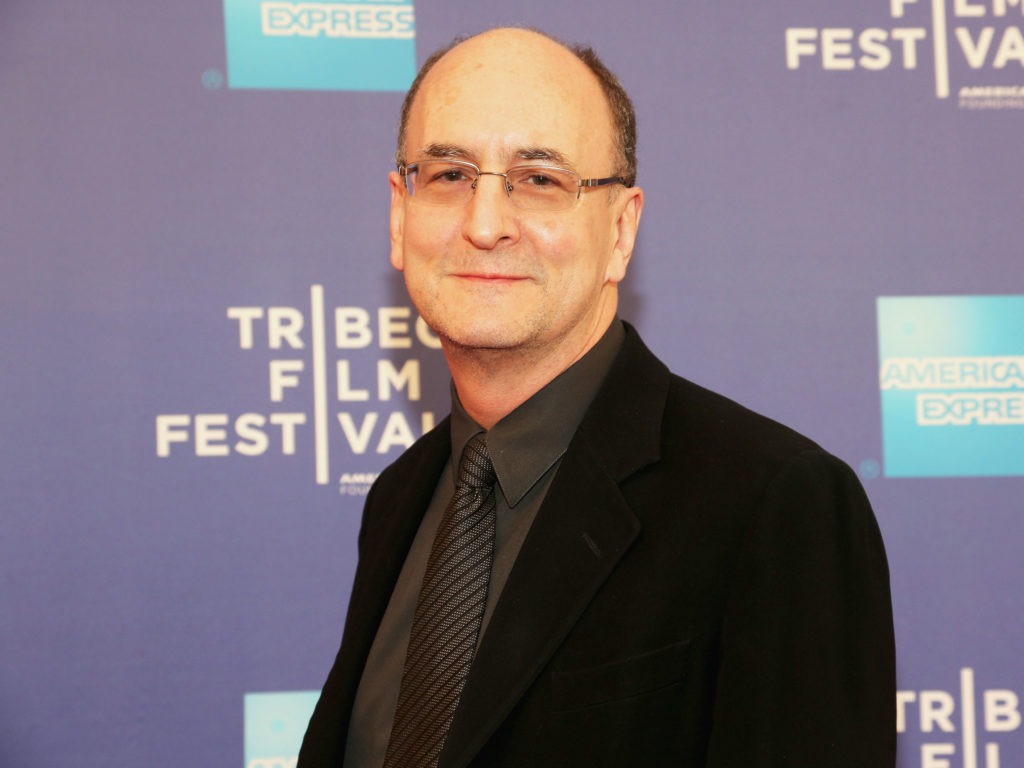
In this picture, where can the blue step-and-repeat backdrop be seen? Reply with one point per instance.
(207, 359)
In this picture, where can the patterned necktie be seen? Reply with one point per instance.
(448, 616)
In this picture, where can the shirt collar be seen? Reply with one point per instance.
(526, 443)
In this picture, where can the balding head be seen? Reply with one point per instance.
(536, 47)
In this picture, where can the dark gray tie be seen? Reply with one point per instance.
(448, 615)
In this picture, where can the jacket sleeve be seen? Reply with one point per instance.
(807, 660)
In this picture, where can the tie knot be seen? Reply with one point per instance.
(476, 469)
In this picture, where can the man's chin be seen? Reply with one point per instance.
(482, 341)
(483, 336)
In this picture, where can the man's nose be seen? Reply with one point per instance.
(491, 218)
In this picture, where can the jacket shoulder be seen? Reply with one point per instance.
(651, 415)
(719, 423)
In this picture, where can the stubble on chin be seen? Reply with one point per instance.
(480, 335)
(467, 320)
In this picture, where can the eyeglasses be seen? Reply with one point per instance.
(529, 187)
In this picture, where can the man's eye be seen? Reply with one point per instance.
(448, 176)
(540, 179)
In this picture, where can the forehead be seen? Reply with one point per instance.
(497, 95)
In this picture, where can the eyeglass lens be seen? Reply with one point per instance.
(442, 182)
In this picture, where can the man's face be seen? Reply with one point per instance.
(486, 274)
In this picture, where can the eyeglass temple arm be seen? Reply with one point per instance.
(602, 182)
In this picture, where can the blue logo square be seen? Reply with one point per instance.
(274, 726)
(358, 45)
(952, 385)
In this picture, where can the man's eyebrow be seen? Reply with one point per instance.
(547, 155)
(446, 151)
(544, 154)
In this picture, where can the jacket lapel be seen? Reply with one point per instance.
(396, 516)
(581, 531)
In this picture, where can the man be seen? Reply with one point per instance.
(669, 579)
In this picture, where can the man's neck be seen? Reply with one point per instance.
(494, 382)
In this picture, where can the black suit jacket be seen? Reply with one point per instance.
(702, 587)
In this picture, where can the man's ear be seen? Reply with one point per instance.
(396, 220)
(627, 208)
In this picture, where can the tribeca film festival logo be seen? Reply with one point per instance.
(980, 40)
(358, 45)
(362, 390)
(956, 732)
(951, 376)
